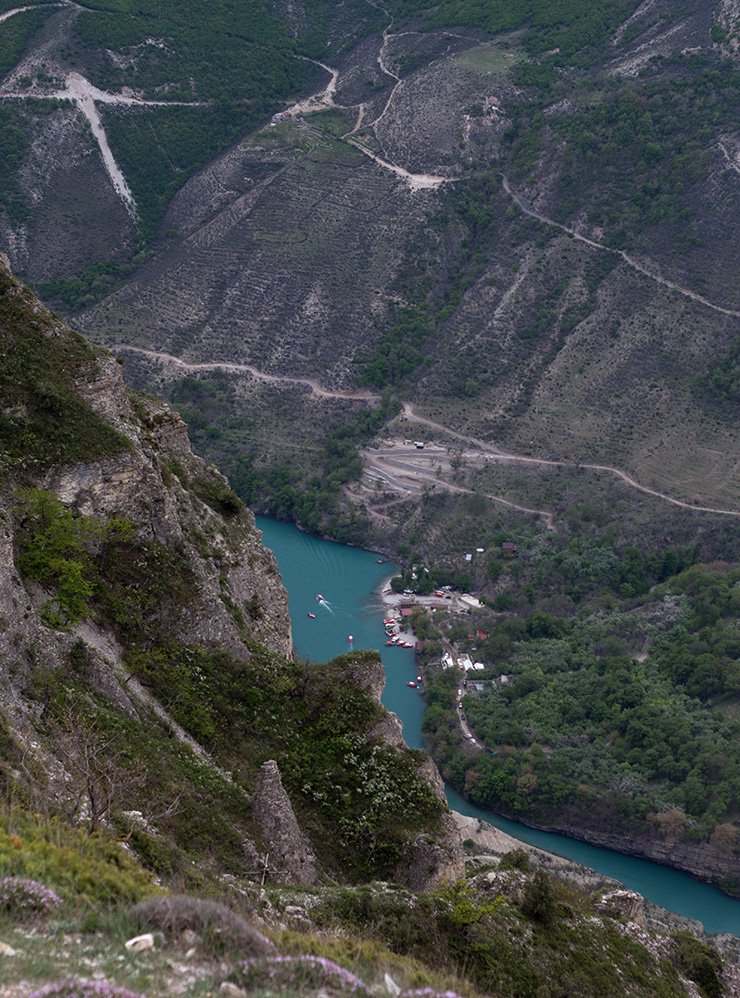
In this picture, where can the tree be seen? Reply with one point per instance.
(724, 839)
(97, 775)
(671, 824)
(539, 899)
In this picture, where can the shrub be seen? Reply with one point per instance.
(515, 859)
(699, 963)
(83, 989)
(303, 972)
(539, 899)
(210, 919)
(19, 896)
(76, 863)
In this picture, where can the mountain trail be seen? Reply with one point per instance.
(509, 458)
(625, 256)
(316, 389)
(408, 410)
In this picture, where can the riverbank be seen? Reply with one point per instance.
(486, 845)
(353, 583)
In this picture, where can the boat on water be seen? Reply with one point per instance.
(409, 683)
(313, 615)
(319, 597)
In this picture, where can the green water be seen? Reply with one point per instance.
(350, 580)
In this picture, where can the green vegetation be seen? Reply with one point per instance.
(469, 926)
(398, 351)
(16, 141)
(576, 30)
(160, 148)
(16, 33)
(700, 963)
(308, 489)
(311, 720)
(585, 734)
(53, 552)
(633, 150)
(208, 52)
(77, 865)
(90, 286)
(44, 420)
(234, 66)
(361, 800)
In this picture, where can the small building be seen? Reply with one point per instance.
(508, 547)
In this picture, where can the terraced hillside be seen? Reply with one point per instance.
(522, 222)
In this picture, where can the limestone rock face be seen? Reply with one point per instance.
(165, 507)
(290, 851)
(432, 860)
(623, 903)
(167, 496)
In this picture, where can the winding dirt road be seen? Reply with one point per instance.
(314, 386)
(625, 256)
(509, 458)
(408, 410)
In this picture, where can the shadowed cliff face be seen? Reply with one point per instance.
(145, 649)
(148, 477)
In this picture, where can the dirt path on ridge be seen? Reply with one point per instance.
(625, 256)
(316, 389)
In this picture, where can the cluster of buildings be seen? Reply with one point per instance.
(464, 662)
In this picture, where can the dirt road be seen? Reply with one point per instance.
(625, 256)
(408, 480)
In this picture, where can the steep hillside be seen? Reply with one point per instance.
(145, 650)
(520, 222)
(531, 243)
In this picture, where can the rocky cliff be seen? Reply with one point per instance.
(145, 649)
(169, 499)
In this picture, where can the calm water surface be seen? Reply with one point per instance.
(350, 581)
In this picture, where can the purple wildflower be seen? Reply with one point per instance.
(327, 971)
(429, 993)
(20, 896)
(83, 989)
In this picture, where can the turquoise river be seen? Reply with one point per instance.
(350, 581)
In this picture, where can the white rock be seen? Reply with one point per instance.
(140, 943)
(6, 950)
(390, 986)
(231, 990)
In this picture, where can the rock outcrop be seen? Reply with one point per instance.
(168, 496)
(291, 856)
(431, 859)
